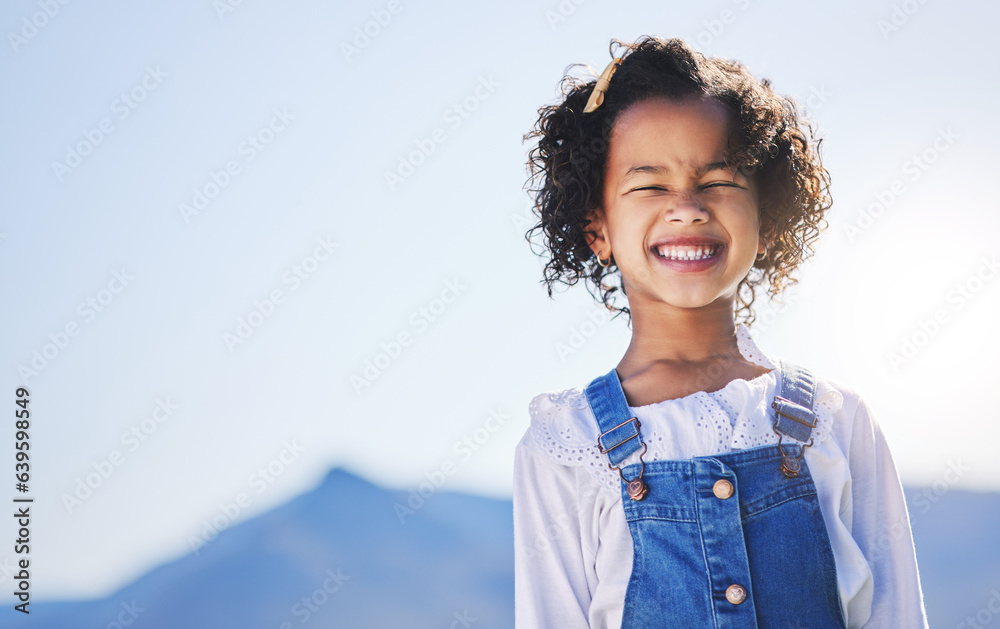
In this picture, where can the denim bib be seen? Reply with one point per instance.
(733, 540)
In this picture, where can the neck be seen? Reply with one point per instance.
(680, 336)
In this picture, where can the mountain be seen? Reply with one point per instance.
(341, 555)
(958, 554)
(350, 554)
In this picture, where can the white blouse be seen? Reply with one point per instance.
(573, 549)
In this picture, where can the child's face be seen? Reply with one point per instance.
(665, 179)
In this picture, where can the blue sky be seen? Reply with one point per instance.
(216, 217)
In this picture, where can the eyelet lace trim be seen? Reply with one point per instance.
(736, 417)
(559, 427)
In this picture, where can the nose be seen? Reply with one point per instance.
(685, 210)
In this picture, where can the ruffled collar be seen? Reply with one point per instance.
(740, 388)
(701, 424)
(748, 348)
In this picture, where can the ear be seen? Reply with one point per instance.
(763, 241)
(597, 233)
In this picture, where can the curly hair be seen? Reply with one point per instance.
(770, 140)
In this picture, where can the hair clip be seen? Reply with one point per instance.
(597, 96)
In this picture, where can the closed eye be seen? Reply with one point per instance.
(722, 184)
(718, 184)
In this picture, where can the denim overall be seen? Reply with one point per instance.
(733, 540)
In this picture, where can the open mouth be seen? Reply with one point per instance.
(687, 253)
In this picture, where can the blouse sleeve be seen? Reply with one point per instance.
(550, 576)
(881, 528)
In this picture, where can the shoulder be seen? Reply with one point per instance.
(562, 417)
(563, 431)
(843, 407)
(834, 393)
(848, 397)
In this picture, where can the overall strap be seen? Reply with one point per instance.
(620, 437)
(793, 407)
(619, 428)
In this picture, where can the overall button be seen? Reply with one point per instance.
(736, 594)
(722, 489)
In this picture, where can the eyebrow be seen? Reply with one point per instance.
(661, 170)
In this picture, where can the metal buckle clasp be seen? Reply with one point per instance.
(790, 465)
(637, 488)
(774, 405)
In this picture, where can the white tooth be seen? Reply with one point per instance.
(698, 252)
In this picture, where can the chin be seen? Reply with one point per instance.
(689, 302)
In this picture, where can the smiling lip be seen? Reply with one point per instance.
(688, 266)
(685, 241)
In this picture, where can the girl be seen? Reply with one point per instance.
(701, 482)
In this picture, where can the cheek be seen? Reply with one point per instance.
(746, 232)
(751, 216)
